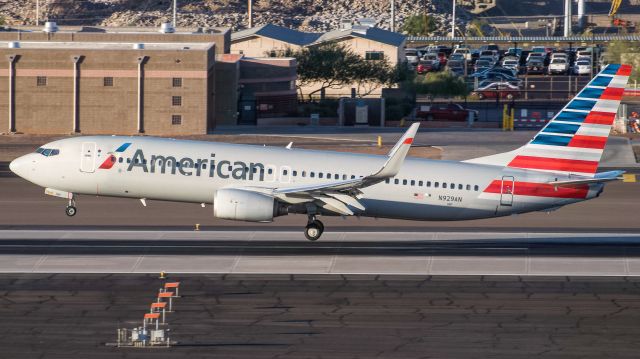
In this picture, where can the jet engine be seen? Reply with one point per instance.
(243, 205)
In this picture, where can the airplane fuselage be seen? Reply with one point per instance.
(192, 171)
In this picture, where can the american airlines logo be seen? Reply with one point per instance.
(187, 166)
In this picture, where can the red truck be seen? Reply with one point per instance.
(446, 112)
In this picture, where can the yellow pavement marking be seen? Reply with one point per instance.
(627, 177)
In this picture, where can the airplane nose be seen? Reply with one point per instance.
(18, 166)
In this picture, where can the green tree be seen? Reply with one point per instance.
(419, 25)
(624, 52)
(334, 65)
(441, 84)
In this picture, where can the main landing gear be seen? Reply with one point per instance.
(71, 208)
(314, 229)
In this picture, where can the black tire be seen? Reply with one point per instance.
(312, 231)
(71, 211)
(320, 225)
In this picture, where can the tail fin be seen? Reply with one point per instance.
(573, 141)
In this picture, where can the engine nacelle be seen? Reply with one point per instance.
(242, 205)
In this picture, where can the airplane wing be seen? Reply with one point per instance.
(601, 177)
(337, 196)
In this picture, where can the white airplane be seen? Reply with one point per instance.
(255, 183)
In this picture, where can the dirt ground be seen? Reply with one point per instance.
(13, 146)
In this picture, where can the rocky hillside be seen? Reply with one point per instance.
(307, 15)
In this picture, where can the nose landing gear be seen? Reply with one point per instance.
(71, 209)
(314, 229)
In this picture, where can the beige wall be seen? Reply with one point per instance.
(105, 109)
(258, 46)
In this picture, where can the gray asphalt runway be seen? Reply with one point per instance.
(25, 206)
(281, 316)
(258, 252)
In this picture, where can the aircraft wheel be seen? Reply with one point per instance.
(71, 211)
(320, 225)
(313, 231)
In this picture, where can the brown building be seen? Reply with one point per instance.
(94, 80)
(106, 88)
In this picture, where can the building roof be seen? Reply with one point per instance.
(275, 32)
(117, 30)
(365, 32)
(166, 46)
(301, 38)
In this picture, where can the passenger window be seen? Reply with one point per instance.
(304, 173)
(312, 174)
(285, 172)
(404, 182)
(468, 187)
(353, 177)
(436, 185)
(319, 175)
(453, 186)
(396, 181)
(128, 160)
(460, 187)
(204, 166)
(428, 183)
(420, 183)
(328, 175)
(475, 188)
(413, 182)
(387, 180)
(444, 184)
(295, 173)
(344, 177)
(120, 159)
(336, 176)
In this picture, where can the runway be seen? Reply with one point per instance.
(249, 252)
(352, 316)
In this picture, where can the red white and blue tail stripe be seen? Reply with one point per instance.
(573, 141)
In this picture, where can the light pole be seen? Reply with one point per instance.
(393, 15)
(453, 21)
(175, 12)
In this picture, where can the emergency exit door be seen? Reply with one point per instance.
(506, 191)
(88, 157)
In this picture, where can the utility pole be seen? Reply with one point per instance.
(250, 6)
(37, 12)
(453, 21)
(393, 15)
(175, 13)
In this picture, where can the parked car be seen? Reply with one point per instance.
(442, 57)
(514, 51)
(558, 65)
(503, 90)
(482, 65)
(457, 57)
(464, 52)
(535, 55)
(449, 112)
(490, 53)
(535, 66)
(511, 64)
(425, 66)
(456, 66)
(412, 56)
(582, 67)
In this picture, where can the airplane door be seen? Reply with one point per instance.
(88, 157)
(506, 191)
(285, 174)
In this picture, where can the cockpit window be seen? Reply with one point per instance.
(48, 152)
